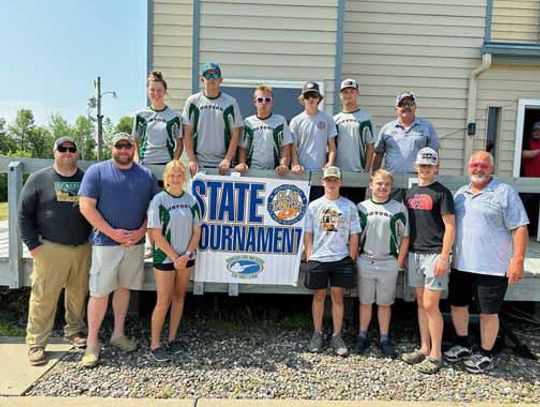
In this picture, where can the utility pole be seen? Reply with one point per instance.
(99, 120)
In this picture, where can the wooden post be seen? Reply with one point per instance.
(198, 288)
(16, 268)
(233, 289)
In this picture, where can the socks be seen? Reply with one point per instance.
(363, 334)
(385, 338)
(463, 341)
(488, 353)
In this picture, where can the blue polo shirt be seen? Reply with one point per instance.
(400, 146)
(484, 225)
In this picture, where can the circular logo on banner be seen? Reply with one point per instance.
(287, 204)
(245, 266)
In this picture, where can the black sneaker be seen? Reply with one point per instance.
(479, 363)
(457, 353)
(387, 349)
(316, 344)
(175, 347)
(362, 344)
(159, 355)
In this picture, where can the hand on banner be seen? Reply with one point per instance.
(193, 167)
(35, 251)
(242, 167)
(282, 170)
(224, 166)
(297, 169)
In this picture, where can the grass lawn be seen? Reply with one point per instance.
(3, 211)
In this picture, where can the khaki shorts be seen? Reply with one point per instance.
(116, 267)
(377, 281)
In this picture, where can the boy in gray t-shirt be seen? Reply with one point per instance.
(383, 251)
(331, 245)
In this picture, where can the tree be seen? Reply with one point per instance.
(40, 142)
(7, 145)
(59, 126)
(83, 134)
(2, 126)
(22, 127)
(124, 125)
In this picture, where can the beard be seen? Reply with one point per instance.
(123, 159)
(478, 178)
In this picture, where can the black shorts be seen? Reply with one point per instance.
(170, 266)
(356, 195)
(339, 273)
(489, 291)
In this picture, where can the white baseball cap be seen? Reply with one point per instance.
(427, 156)
(348, 83)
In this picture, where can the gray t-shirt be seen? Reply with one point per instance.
(212, 120)
(400, 146)
(484, 225)
(263, 140)
(332, 222)
(383, 227)
(311, 135)
(157, 132)
(355, 132)
(175, 216)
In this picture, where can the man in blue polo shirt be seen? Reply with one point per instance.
(399, 141)
(489, 252)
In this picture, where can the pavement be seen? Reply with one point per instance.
(16, 374)
(95, 402)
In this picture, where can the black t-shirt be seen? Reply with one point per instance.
(49, 208)
(426, 206)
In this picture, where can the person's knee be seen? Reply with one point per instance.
(178, 296)
(319, 295)
(487, 318)
(431, 306)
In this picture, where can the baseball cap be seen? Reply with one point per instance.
(311, 87)
(122, 137)
(427, 156)
(64, 139)
(536, 126)
(348, 83)
(331, 172)
(404, 95)
(210, 66)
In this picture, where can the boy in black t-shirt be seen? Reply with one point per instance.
(432, 230)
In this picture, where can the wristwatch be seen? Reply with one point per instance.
(189, 254)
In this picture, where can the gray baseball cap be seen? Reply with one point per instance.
(61, 140)
(404, 95)
(427, 156)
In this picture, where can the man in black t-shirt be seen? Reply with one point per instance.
(432, 230)
(56, 234)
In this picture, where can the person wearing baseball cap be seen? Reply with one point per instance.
(212, 123)
(432, 231)
(530, 167)
(399, 141)
(314, 134)
(331, 246)
(56, 235)
(114, 198)
(354, 137)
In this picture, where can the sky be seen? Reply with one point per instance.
(53, 50)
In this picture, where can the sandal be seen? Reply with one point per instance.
(429, 365)
(413, 358)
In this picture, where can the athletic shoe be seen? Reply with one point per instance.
(36, 355)
(338, 345)
(429, 365)
(123, 343)
(478, 363)
(414, 357)
(175, 347)
(316, 344)
(387, 349)
(457, 353)
(78, 340)
(362, 344)
(159, 355)
(91, 355)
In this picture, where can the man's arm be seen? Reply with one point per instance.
(369, 157)
(443, 261)
(376, 161)
(354, 241)
(225, 164)
(403, 251)
(296, 168)
(331, 152)
(179, 149)
(283, 167)
(89, 211)
(28, 216)
(530, 153)
(308, 244)
(242, 157)
(190, 151)
(520, 240)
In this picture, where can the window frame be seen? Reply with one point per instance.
(523, 104)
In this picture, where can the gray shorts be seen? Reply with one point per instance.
(420, 272)
(377, 281)
(116, 267)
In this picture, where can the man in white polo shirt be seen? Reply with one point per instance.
(489, 252)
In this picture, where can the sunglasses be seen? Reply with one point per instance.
(62, 149)
(407, 104)
(211, 75)
(481, 166)
(264, 100)
(123, 146)
(311, 96)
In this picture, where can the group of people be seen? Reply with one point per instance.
(109, 209)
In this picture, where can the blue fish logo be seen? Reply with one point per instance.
(245, 266)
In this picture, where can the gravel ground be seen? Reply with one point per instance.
(261, 361)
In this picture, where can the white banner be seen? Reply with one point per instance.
(253, 229)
